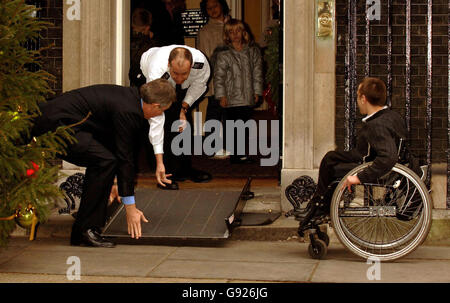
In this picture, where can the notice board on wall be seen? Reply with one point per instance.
(193, 20)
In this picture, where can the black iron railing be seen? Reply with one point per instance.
(350, 107)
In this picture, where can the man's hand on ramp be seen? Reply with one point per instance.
(134, 217)
(161, 176)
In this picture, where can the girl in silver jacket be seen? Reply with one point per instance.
(238, 77)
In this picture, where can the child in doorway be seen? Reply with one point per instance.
(209, 38)
(238, 77)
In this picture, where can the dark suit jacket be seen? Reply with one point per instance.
(378, 141)
(117, 121)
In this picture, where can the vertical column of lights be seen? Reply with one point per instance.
(389, 54)
(408, 68)
(354, 87)
(348, 85)
(351, 75)
(448, 114)
(429, 85)
(367, 64)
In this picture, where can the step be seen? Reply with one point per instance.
(283, 229)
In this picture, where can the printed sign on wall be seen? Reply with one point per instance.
(193, 20)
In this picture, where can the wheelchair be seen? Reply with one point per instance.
(385, 220)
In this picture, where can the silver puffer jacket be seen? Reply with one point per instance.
(238, 74)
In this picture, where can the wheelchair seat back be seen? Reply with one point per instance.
(407, 158)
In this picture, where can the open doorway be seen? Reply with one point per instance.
(259, 16)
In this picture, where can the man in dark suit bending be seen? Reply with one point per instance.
(107, 144)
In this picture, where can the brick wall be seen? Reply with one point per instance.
(52, 11)
(378, 67)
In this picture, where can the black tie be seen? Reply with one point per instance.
(179, 92)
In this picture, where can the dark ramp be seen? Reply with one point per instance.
(181, 214)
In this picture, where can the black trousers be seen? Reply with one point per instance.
(214, 111)
(101, 166)
(334, 165)
(243, 113)
(180, 165)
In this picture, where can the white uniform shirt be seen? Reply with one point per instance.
(155, 65)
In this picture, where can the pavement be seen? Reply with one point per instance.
(50, 260)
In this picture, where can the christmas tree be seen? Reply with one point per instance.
(27, 176)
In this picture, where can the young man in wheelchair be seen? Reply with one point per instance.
(377, 141)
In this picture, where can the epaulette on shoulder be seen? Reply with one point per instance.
(166, 76)
(198, 65)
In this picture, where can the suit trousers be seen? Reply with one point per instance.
(178, 165)
(101, 166)
(334, 166)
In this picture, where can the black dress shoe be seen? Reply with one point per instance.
(169, 186)
(91, 237)
(199, 176)
(97, 231)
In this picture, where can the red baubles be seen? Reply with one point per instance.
(32, 171)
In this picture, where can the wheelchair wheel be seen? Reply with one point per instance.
(386, 219)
